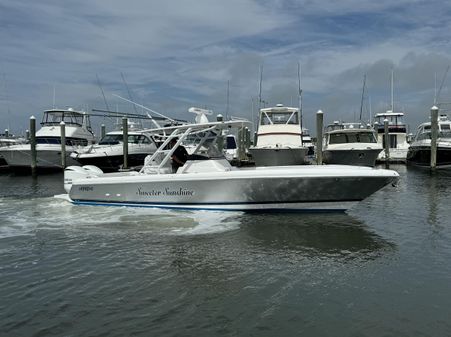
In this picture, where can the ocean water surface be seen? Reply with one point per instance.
(381, 269)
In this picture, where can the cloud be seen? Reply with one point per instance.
(182, 53)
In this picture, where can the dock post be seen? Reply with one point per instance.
(240, 143)
(27, 134)
(33, 152)
(102, 131)
(387, 144)
(319, 137)
(220, 139)
(255, 138)
(248, 138)
(125, 141)
(6, 133)
(434, 136)
(63, 144)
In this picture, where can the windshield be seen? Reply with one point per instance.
(279, 118)
(230, 143)
(425, 132)
(358, 137)
(392, 120)
(116, 139)
(56, 117)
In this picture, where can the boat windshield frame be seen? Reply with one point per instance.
(424, 131)
(286, 117)
(115, 139)
(69, 117)
(351, 137)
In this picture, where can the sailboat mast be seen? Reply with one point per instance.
(300, 102)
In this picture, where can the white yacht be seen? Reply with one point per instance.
(420, 149)
(108, 154)
(48, 140)
(397, 132)
(350, 144)
(214, 184)
(279, 138)
(7, 140)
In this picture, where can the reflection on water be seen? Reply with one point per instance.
(435, 187)
(337, 235)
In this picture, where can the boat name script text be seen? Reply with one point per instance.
(167, 191)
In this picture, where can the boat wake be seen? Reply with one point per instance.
(211, 222)
(20, 217)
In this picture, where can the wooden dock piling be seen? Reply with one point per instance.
(63, 144)
(102, 131)
(319, 137)
(434, 136)
(387, 144)
(125, 141)
(33, 152)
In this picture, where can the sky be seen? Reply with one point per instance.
(174, 54)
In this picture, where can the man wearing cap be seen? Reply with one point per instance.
(179, 157)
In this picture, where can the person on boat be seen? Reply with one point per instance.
(180, 155)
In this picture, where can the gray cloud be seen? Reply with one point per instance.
(182, 53)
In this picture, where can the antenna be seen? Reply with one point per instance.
(103, 94)
(54, 95)
(128, 91)
(300, 102)
(392, 99)
(363, 96)
(435, 88)
(228, 96)
(260, 88)
(443, 81)
(145, 108)
(7, 101)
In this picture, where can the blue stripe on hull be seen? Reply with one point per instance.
(181, 207)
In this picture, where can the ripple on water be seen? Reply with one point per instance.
(26, 216)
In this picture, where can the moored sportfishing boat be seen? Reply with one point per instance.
(48, 141)
(279, 138)
(350, 144)
(214, 184)
(420, 149)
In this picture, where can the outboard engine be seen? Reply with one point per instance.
(72, 173)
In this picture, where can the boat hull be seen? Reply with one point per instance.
(357, 157)
(3, 163)
(48, 157)
(421, 156)
(320, 188)
(278, 156)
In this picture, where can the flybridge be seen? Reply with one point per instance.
(279, 115)
(68, 116)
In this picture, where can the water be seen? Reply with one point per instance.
(383, 269)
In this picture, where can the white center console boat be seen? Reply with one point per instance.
(214, 184)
